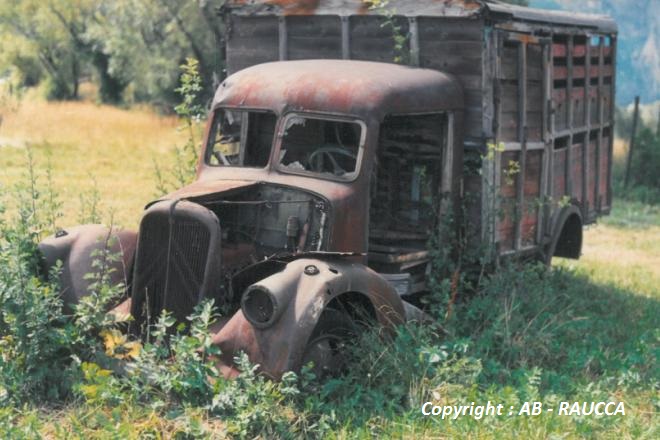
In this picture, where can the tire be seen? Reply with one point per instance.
(327, 346)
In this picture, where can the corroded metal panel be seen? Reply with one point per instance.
(445, 8)
(364, 89)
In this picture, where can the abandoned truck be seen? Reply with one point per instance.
(327, 148)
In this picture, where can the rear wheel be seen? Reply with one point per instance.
(328, 344)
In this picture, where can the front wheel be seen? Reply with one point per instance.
(328, 345)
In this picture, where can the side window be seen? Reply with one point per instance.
(241, 138)
(327, 148)
(407, 177)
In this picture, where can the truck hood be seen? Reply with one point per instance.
(198, 189)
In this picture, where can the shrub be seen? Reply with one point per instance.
(40, 347)
(192, 113)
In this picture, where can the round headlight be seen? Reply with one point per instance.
(259, 306)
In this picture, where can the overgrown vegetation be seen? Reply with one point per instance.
(193, 117)
(527, 334)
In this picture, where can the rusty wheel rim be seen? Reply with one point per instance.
(327, 353)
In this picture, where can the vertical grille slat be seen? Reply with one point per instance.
(187, 266)
(177, 283)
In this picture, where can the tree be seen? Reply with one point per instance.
(30, 25)
(136, 43)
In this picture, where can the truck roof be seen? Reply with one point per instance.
(423, 8)
(358, 88)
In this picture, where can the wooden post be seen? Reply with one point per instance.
(632, 141)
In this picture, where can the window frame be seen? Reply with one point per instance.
(284, 119)
(208, 148)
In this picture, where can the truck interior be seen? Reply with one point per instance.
(321, 146)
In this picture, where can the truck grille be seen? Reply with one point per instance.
(178, 261)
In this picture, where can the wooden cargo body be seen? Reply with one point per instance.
(538, 86)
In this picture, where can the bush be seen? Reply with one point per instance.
(41, 348)
(646, 159)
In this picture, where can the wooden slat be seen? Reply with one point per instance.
(318, 38)
(559, 50)
(522, 136)
(433, 29)
(559, 176)
(252, 27)
(575, 167)
(592, 169)
(561, 72)
(569, 118)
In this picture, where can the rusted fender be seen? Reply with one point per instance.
(75, 246)
(303, 295)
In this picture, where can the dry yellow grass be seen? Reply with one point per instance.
(624, 249)
(628, 258)
(89, 142)
(620, 149)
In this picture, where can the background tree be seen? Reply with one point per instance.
(32, 35)
(131, 48)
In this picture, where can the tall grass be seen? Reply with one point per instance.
(87, 142)
(527, 334)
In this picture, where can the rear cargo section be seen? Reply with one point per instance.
(538, 86)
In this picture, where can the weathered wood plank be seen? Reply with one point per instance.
(450, 29)
(559, 173)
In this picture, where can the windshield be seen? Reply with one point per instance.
(319, 146)
(240, 138)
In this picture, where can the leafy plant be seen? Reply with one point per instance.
(40, 347)
(400, 39)
(192, 113)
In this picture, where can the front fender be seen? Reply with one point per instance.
(280, 347)
(75, 247)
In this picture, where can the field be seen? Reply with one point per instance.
(90, 147)
(585, 331)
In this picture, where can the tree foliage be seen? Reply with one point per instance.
(131, 48)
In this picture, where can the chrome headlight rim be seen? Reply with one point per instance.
(259, 306)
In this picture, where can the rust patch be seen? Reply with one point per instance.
(295, 7)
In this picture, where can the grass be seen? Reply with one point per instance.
(585, 331)
(87, 143)
(624, 249)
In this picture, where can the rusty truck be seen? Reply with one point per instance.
(338, 128)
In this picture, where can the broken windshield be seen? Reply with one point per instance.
(241, 138)
(326, 147)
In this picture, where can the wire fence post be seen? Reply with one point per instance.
(632, 141)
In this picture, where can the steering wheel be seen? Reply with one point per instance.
(330, 151)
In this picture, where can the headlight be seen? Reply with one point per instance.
(259, 306)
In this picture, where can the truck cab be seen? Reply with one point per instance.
(337, 131)
(307, 165)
